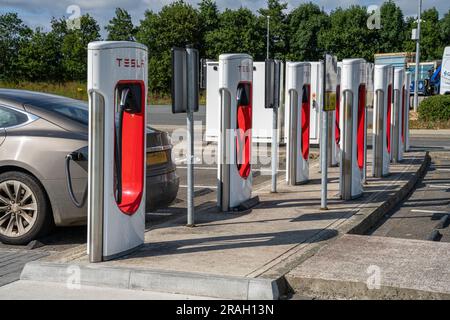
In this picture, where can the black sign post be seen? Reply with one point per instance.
(185, 94)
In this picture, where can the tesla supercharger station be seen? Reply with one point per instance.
(336, 154)
(369, 105)
(316, 101)
(262, 116)
(397, 115)
(235, 139)
(117, 84)
(334, 131)
(352, 124)
(298, 101)
(407, 99)
(381, 144)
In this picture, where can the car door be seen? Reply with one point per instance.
(2, 135)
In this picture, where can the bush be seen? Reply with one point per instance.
(435, 108)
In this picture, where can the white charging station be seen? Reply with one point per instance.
(316, 112)
(334, 130)
(397, 115)
(408, 76)
(316, 101)
(212, 101)
(262, 116)
(336, 149)
(352, 124)
(298, 87)
(235, 142)
(117, 85)
(381, 144)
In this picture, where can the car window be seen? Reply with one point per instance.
(11, 118)
(72, 109)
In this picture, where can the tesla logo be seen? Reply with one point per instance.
(130, 63)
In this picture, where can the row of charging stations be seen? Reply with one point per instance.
(390, 118)
(117, 83)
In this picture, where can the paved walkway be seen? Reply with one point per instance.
(376, 267)
(268, 241)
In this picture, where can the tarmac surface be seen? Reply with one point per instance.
(425, 215)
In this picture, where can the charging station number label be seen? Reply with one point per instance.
(330, 101)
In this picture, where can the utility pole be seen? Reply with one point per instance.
(268, 37)
(324, 141)
(274, 144)
(416, 78)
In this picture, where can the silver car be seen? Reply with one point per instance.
(37, 132)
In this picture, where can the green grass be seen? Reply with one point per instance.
(434, 125)
(77, 90)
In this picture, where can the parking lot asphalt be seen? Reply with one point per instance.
(427, 209)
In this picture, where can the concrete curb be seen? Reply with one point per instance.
(215, 286)
(358, 224)
(335, 289)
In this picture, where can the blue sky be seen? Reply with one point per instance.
(39, 12)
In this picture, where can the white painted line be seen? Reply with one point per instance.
(437, 147)
(199, 168)
(439, 186)
(442, 169)
(201, 187)
(270, 170)
(429, 211)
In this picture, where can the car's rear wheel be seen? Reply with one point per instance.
(24, 209)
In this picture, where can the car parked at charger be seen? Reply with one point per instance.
(37, 132)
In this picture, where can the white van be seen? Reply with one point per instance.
(445, 72)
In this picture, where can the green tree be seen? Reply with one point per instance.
(391, 34)
(121, 28)
(278, 27)
(348, 35)
(239, 32)
(176, 25)
(39, 58)
(13, 32)
(74, 46)
(209, 21)
(304, 24)
(432, 42)
(445, 29)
